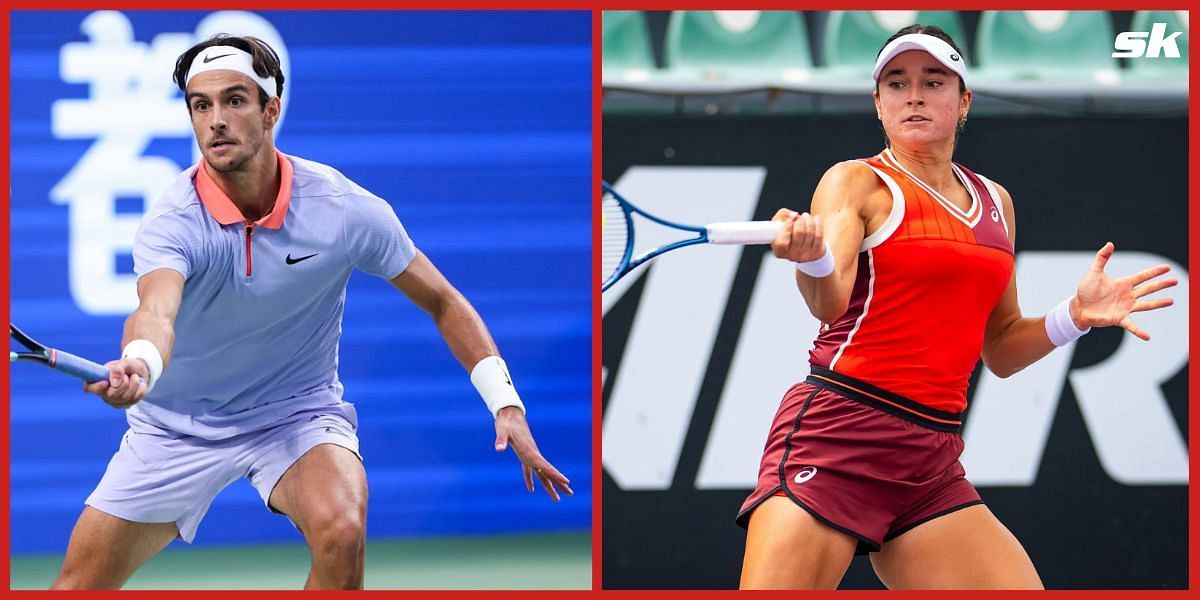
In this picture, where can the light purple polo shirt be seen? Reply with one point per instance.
(256, 337)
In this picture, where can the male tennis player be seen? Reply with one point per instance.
(229, 367)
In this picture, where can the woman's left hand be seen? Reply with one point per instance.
(1102, 301)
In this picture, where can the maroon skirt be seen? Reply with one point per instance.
(861, 460)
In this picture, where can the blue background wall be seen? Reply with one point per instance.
(477, 128)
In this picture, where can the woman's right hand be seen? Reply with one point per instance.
(802, 238)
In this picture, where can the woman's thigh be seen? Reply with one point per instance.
(787, 548)
(966, 549)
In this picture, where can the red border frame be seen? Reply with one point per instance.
(1193, 313)
(5, 178)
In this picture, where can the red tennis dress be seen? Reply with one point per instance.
(869, 442)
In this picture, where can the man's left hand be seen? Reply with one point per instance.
(511, 429)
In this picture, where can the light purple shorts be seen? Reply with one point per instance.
(163, 477)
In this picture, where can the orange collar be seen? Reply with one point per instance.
(227, 213)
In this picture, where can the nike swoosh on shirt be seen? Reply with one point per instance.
(291, 261)
(209, 59)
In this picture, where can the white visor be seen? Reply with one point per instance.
(940, 50)
(228, 58)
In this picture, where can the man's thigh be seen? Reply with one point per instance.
(326, 483)
(104, 550)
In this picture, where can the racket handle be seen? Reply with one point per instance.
(79, 367)
(743, 232)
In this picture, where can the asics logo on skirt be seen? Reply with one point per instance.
(805, 474)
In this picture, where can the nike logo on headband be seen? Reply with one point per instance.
(209, 59)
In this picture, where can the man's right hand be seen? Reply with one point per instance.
(126, 383)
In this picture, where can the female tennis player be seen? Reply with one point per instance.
(907, 260)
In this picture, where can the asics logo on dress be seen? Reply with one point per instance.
(805, 474)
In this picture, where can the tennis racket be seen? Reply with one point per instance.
(56, 359)
(617, 232)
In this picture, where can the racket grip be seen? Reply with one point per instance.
(743, 232)
(79, 367)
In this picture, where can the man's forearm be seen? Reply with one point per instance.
(464, 331)
(158, 330)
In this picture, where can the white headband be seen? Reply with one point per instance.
(228, 58)
(939, 49)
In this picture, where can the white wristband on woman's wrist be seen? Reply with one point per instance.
(148, 352)
(1060, 327)
(492, 381)
(821, 267)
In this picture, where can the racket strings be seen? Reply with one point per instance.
(615, 237)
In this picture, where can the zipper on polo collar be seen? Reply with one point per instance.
(249, 262)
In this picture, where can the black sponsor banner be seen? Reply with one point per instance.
(1076, 183)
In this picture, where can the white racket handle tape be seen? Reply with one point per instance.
(494, 384)
(743, 232)
(1060, 328)
(148, 352)
(821, 267)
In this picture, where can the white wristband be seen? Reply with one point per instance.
(821, 267)
(490, 377)
(1060, 327)
(148, 352)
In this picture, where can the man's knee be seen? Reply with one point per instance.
(73, 577)
(340, 535)
(69, 580)
(338, 544)
(105, 550)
